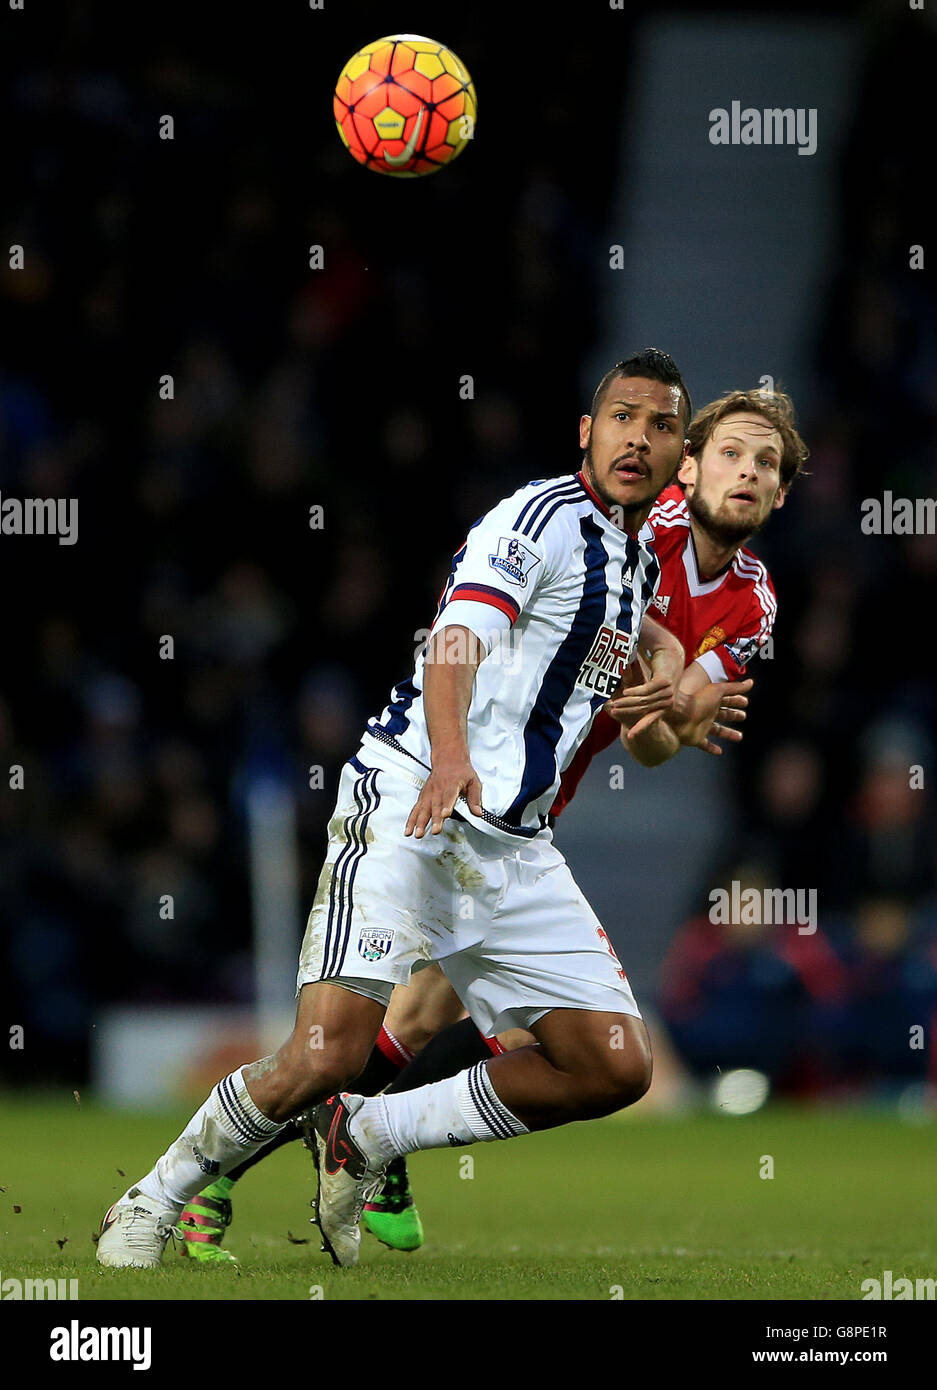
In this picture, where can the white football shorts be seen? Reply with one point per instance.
(508, 925)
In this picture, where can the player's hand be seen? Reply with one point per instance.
(641, 705)
(450, 778)
(706, 715)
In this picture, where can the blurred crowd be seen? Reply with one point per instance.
(845, 1007)
(296, 388)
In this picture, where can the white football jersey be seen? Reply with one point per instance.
(556, 592)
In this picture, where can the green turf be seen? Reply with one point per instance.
(655, 1208)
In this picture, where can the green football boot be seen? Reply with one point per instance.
(204, 1222)
(391, 1215)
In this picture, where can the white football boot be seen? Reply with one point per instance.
(347, 1179)
(135, 1231)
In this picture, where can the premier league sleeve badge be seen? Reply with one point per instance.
(514, 560)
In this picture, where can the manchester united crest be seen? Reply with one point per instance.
(713, 638)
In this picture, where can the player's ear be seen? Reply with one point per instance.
(687, 470)
(585, 431)
(780, 499)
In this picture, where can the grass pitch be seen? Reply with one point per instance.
(622, 1208)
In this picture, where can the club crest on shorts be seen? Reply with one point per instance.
(513, 560)
(375, 942)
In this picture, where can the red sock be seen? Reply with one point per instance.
(393, 1049)
(388, 1059)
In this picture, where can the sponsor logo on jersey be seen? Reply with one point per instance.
(513, 560)
(375, 942)
(604, 666)
(713, 638)
(662, 602)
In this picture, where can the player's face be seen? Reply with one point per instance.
(735, 484)
(634, 444)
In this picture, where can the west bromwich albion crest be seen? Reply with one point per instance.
(375, 942)
(513, 560)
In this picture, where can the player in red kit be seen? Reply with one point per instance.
(715, 596)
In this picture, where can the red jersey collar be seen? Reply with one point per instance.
(594, 495)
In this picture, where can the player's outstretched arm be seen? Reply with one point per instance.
(663, 651)
(653, 743)
(453, 655)
(647, 692)
(704, 710)
(701, 712)
(644, 701)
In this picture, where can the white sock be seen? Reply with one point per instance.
(464, 1109)
(227, 1129)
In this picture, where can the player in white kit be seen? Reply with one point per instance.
(541, 616)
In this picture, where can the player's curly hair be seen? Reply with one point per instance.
(650, 363)
(774, 406)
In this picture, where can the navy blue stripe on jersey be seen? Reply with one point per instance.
(341, 900)
(563, 501)
(651, 579)
(571, 493)
(544, 726)
(569, 487)
(625, 606)
(527, 506)
(403, 696)
(626, 602)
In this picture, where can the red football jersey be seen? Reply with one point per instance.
(721, 622)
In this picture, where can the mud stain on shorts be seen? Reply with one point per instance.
(469, 879)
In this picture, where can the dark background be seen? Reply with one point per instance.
(340, 388)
